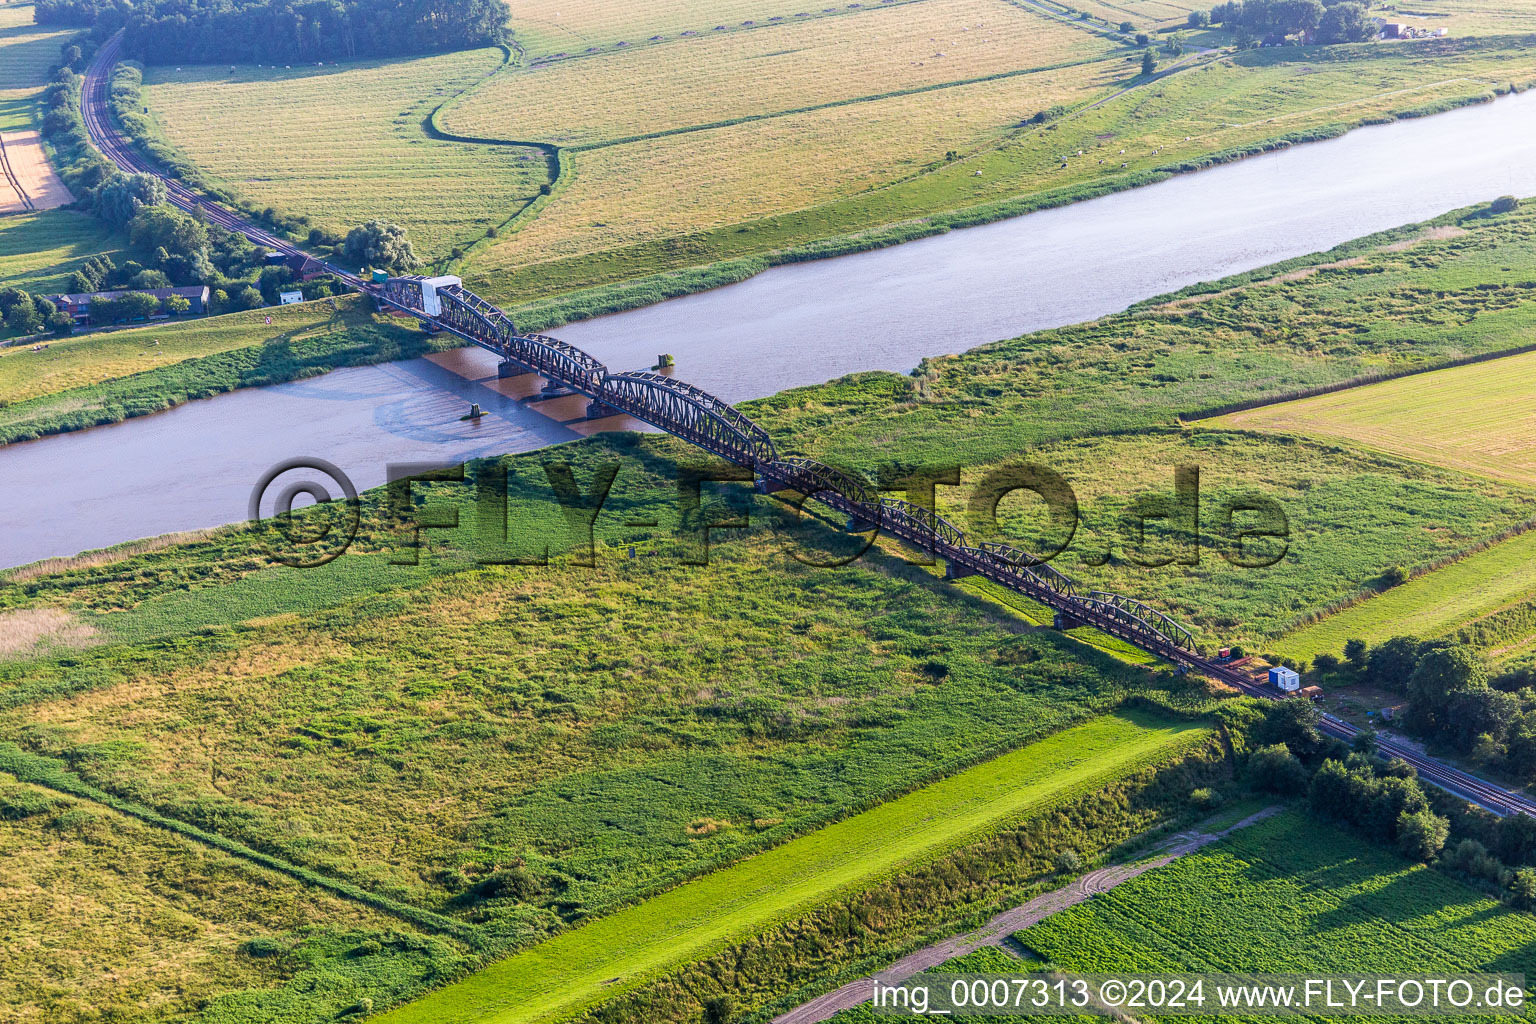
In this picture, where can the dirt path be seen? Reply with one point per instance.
(995, 931)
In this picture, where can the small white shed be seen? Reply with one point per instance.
(1284, 679)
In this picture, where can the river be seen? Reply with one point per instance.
(801, 324)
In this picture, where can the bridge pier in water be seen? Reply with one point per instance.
(507, 368)
(597, 410)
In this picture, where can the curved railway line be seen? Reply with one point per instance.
(702, 419)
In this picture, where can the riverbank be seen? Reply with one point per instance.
(602, 300)
(77, 383)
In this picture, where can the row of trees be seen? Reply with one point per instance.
(29, 314)
(1343, 21)
(1385, 802)
(273, 31)
(1452, 697)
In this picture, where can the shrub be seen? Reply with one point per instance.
(1504, 204)
(263, 947)
(1520, 891)
(1068, 862)
(718, 1010)
(22, 804)
(1421, 834)
(1274, 769)
(1325, 664)
(1205, 798)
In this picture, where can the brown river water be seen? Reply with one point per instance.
(195, 466)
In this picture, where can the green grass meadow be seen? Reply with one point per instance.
(1290, 895)
(1433, 604)
(561, 976)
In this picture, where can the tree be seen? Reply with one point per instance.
(1330, 793)
(1148, 61)
(382, 245)
(1293, 723)
(23, 318)
(1198, 19)
(1274, 769)
(1447, 670)
(176, 305)
(144, 280)
(718, 1010)
(1364, 742)
(1325, 664)
(1521, 889)
(124, 195)
(1393, 662)
(61, 323)
(1345, 23)
(1421, 835)
(245, 298)
(1142, 39)
(1504, 204)
(1516, 840)
(1354, 653)
(103, 311)
(165, 227)
(136, 306)
(1294, 16)
(1173, 46)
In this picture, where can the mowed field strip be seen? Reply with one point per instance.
(789, 67)
(569, 972)
(345, 144)
(546, 27)
(647, 190)
(1477, 419)
(1430, 605)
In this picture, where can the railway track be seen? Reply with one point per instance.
(94, 108)
(705, 421)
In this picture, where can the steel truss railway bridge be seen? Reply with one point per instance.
(694, 415)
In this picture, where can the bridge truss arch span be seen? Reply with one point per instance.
(690, 413)
(1141, 619)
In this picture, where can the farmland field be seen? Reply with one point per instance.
(344, 144)
(38, 251)
(1460, 418)
(566, 973)
(1290, 895)
(761, 167)
(1430, 605)
(475, 743)
(545, 27)
(585, 237)
(831, 60)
